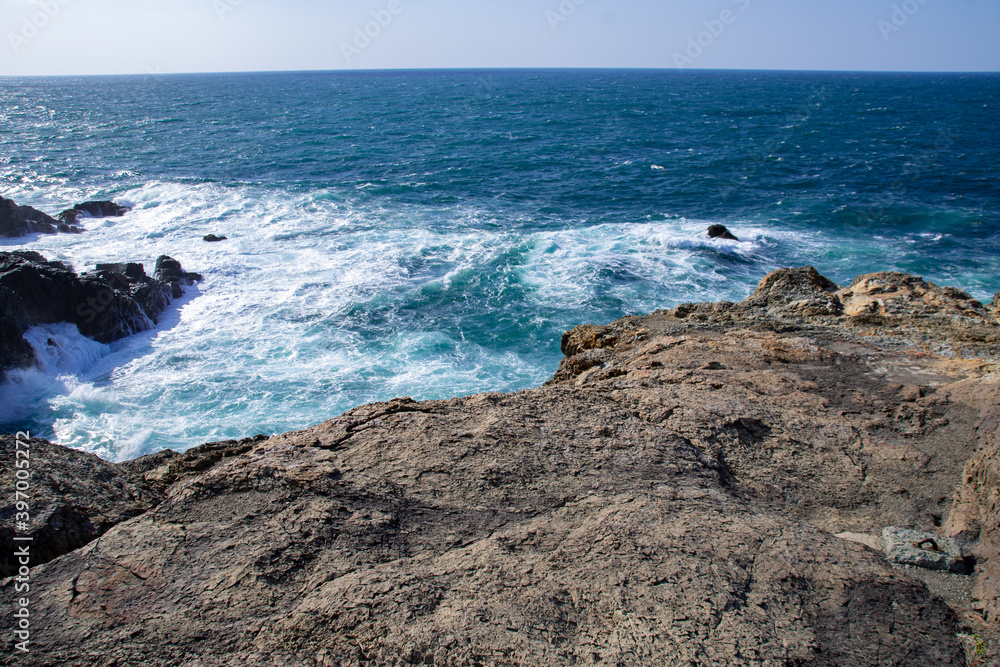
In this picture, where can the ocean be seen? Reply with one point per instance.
(433, 233)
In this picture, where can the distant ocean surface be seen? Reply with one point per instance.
(433, 233)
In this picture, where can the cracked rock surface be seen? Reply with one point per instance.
(670, 497)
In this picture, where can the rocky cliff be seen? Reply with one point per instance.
(112, 302)
(672, 496)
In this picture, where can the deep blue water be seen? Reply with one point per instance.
(433, 233)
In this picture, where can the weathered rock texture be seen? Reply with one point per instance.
(74, 498)
(114, 301)
(976, 515)
(669, 498)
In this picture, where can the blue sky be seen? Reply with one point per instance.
(50, 37)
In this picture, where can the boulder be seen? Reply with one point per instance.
(800, 292)
(212, 238)
(720, 232)
(20, 220)
(170, 272)
(919, 549)
(93, 209)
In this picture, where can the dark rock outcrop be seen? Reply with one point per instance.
(721, 232)
(15, 352)
(17, 220)
(93, 209)
(115, 301)
(670, 497)
(170, 272)
(212, 238)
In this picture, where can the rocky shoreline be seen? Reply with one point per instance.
(704, 485)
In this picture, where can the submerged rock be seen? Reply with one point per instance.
(720, 232)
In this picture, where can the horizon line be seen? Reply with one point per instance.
(501, 69)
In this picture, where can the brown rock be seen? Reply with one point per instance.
(670, 497)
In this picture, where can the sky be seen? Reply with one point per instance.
(73, 37)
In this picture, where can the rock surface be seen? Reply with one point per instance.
(114, 301)
(976, 515)
(20, 220)
(74, 498)
(15, 352)
(93, 209)
(721, 232)
(669, 497)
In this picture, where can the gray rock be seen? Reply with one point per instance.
(74, 498)
(927, 550)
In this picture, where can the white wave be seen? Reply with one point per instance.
(280, 333)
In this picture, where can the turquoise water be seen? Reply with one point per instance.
(431, 234)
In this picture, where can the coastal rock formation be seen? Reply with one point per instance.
(74, 498)
(114, 301)
(212, 238)
(671, 496)
(720, 232)
(93, 209)
(20, 220)
(170, 272)
(976, 515)
(14, 350)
